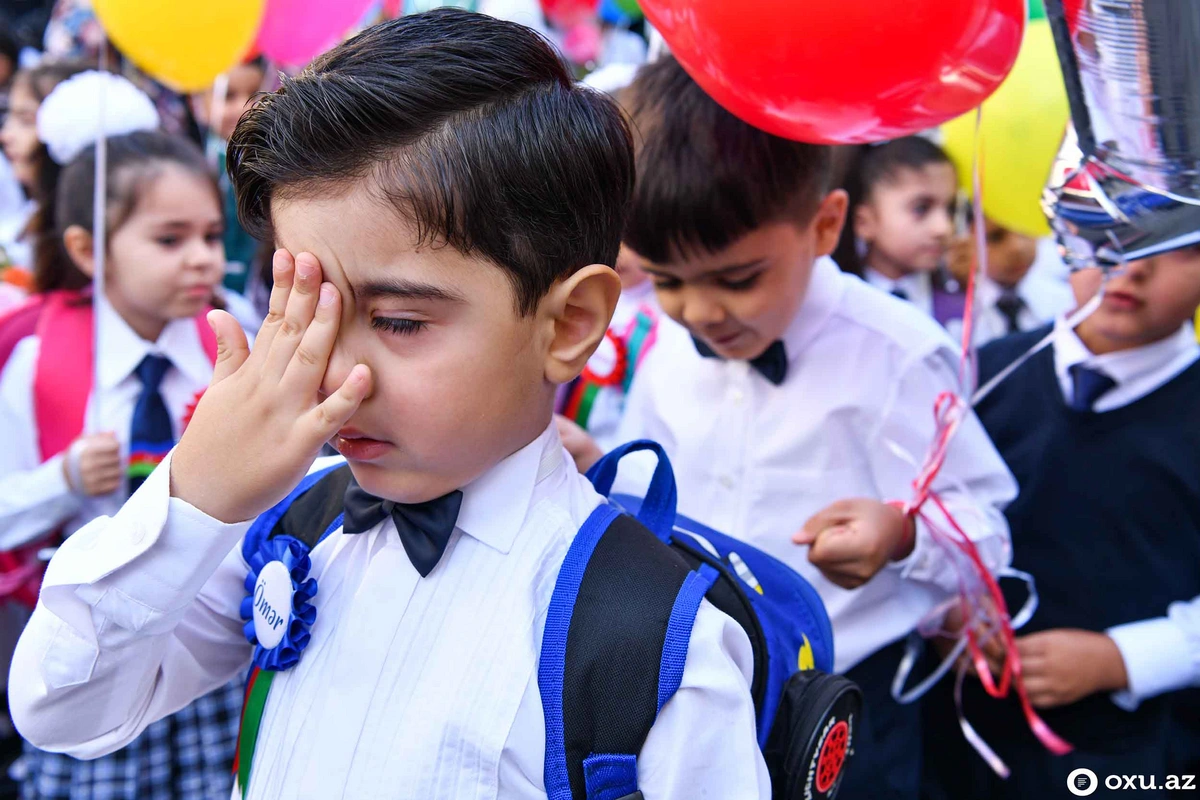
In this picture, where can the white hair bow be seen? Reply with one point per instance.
(87, 106)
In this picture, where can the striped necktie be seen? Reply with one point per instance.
(150, 435)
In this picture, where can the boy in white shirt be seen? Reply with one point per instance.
(784, 388)
(455, 201)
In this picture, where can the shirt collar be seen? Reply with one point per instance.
(987, 292)
(917, 286)
(495, 504)
(123, 349)
(826, 287)
(1126, 366)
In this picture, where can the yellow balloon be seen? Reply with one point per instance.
(184, 44)
(1020, 133)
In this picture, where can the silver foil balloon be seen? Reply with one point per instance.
(1126, 183)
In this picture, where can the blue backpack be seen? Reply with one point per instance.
(617, 634)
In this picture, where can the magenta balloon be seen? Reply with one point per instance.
(294, 32)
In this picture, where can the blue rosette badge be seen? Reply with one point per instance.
(276, 608)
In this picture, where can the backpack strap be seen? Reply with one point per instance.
(18, 322)
(613, 653)
(63, 377)
(657, 511)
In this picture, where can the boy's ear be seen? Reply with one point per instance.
(578, 309)
(78, 244)
(830, 217)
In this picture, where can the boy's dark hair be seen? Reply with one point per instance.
(705, 178)
(470, 126)
(866, 167)
(134, 160)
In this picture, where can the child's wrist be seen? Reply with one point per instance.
(1115, 677)
(908, 531)
(72, 466)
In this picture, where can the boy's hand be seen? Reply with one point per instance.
(852, 540)
(1065, 665)
(991, 644)
(262, 421)
(577, 442)
(99, 464)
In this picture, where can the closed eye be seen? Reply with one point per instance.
(742, 285)
(399, 326)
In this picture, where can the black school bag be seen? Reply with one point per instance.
(617, 633)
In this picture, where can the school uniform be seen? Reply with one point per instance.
(1004, 311)
(189, 753)
(1107, 451)
(410, 687)
(757, 459)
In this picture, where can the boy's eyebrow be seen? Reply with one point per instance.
(405, 289)
(712, 273)
(183, 224)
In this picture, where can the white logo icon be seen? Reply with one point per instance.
(1082, 782)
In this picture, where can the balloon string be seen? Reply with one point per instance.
(99, 231)
(980, 600)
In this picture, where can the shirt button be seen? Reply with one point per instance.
(726, 481)
(737, 396)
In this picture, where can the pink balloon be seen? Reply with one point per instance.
(296, 31)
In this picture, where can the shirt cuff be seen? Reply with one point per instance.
(1157, 659)
(920, 564)
(157, 551)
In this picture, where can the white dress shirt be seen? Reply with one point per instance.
(409, 688)
(756, 461)
(35, 497)
(1042, 298)
(917, 287)
(1161, 654)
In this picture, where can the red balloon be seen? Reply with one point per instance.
(843, 71)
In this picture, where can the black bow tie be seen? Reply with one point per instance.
(424, 528)
(772, 364)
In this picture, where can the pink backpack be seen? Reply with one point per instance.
(62, 384)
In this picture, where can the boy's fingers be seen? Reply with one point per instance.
(337, 409)
(232, 347)
(834, 515)
(297, 315)
(834, 546)
(311, 359)
(283, 272)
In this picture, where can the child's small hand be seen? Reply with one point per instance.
(1065, 665)
(852, 540)
(991, 644)
(99, 464)
(577, 442)
(262, 421)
